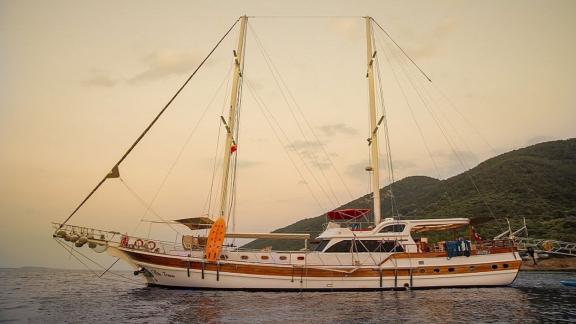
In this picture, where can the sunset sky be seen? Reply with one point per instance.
(81, 79)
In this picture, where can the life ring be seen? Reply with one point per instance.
(547, 245)
(138, 243)
(151, 245)
(124, 241)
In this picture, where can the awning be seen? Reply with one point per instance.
(437, 227)
(196, 223)
(345, 214)
(273, 236)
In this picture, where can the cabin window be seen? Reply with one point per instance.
(436, 270)
(505, 265)
(320, 247)
(340, 247)
(244, 257)
(395, 228)
(377, 246)
(494, 266)
(264, 257)
(300, 258)
(450, 269)
(283, 258)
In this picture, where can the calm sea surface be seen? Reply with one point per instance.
(40, 295)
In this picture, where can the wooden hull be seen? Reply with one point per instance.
(398, 271)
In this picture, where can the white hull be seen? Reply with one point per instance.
(161, 275)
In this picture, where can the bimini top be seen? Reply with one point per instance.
(196, 223)
(346, 214)
(443, 224)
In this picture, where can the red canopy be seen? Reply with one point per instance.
(344, 214)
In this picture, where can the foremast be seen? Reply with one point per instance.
(230, 146)
(373, 140)
(218, 230)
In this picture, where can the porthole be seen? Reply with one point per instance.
(436, 270)
(264, 257)
(283, 258)
(505, 266)
(494, 266)
(300, 258)
(244, 257)
(450, 269)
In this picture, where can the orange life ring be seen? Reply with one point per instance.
(215, 240)
(150, 245)
(547, 245)
(138, 243)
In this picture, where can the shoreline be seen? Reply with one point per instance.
(550, 264)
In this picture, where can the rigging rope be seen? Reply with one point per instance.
(402, 50)
(208, 210)
(385, 48)
(115, 168)
(447, 138)
(264, 109)
(71, 250)
(282, 86)
(393, 203)
(143, 202)
(179, 155)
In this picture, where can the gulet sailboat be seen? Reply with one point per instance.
(349, 255)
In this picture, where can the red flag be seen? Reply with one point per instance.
(233, 148)
(475, 235)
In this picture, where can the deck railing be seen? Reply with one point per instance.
(74, 234)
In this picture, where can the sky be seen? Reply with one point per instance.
(81, 79)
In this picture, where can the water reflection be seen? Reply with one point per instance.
(73, 296)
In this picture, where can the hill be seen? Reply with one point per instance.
(537, 182)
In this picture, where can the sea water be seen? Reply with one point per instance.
(56, 296)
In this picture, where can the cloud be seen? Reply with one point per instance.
(403, 164)
(165, 63)
(335, 129)
(539, 139)
(348, 27)
(100, 80)
(431, 40)
(469, 159)
(358, 170)
(248, 163)
(311, 152)
(300, 145)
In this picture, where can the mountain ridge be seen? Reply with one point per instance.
(537, 183)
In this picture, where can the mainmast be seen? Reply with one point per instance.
(230, 146)
(373, 140)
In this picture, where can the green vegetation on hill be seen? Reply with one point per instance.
(536, 182)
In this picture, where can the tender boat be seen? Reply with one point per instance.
(569, 283)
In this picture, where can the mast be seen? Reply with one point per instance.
(373, 140)
(229, 148)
